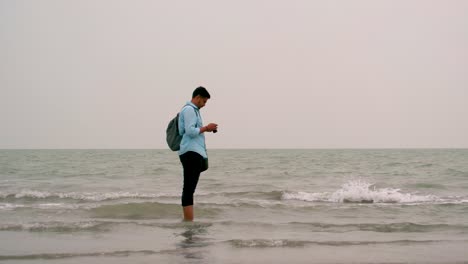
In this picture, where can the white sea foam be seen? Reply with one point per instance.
(9, 206)
(358, 191)
(32, 193)
(53, 226)
(55, 206)
(266, 243)
(88, 196)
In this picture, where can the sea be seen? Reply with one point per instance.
(251, 206)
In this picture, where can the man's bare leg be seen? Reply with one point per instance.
(188, 213)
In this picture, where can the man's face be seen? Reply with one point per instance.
(200, 101)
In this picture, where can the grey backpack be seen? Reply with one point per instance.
(173, 137)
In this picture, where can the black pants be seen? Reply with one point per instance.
(192, 163)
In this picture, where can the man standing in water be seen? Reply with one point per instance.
(192, 151)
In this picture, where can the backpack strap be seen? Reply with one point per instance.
(196, 109)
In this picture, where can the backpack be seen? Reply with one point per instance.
(173, 137)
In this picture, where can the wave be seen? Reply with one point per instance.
(363, 192)
(267, 195)
(286, 243)
(10, 206)
(399, 227)
(104, 226)
(267, 243)
(85, 196)
(99, 226)
(404, 227)
(60, 227)
(44, 206)
(51, 256)
(356, 191)
(428, 186)
(253, 243)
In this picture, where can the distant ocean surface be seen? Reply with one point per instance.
(251, 206)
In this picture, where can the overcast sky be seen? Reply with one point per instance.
(282, 74)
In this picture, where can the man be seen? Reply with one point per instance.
(192, 151)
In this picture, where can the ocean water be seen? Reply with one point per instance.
(251, 206)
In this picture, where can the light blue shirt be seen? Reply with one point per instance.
(190, 122)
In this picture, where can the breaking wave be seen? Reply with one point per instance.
(359, 191)
(356, 191)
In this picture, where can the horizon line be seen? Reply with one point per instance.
(257, 148)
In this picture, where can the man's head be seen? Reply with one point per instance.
(200, 96)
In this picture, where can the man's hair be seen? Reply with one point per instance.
(201, 91)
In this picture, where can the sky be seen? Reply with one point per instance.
(281, 74)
